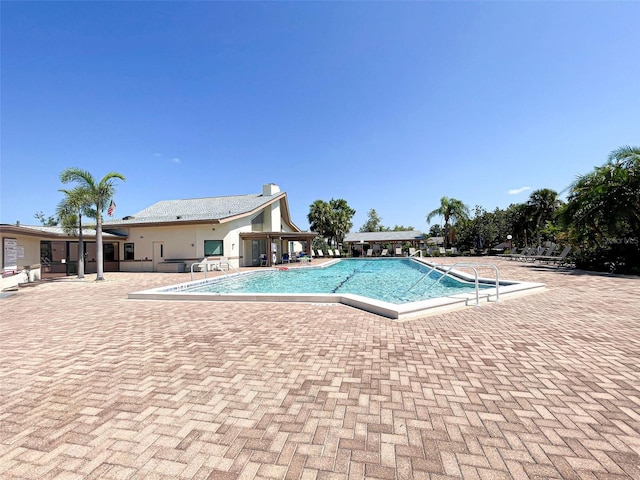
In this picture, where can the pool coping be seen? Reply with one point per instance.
(509, 288)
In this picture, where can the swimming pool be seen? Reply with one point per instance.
(395, 281)
(395, 288)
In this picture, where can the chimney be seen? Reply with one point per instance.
(270, 189)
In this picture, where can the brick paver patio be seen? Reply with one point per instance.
(93, 385)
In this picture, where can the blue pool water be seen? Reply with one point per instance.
(389, 280)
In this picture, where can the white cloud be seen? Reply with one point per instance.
(515, 191)
(175, 160)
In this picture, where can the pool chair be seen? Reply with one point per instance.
(370, 252)
(286, 258)
(398, 252)
(540, 253)
(336, 253)
(384, 252)
(412, 251)
(263, 260)
(516, 256)
(558, 260)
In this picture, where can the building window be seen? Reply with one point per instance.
(129, 251)
(213, 248)
(109, 252)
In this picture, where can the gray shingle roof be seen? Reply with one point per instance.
(384, 236)
(196, 209)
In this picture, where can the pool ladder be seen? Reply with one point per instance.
(472, 266)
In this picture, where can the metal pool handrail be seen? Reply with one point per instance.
(218, 266)
(464, 265)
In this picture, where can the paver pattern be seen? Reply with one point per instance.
(93, 385)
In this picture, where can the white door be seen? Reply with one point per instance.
(158, 254)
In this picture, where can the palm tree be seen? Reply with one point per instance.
(606, 201)
(341, 215)
(541, 206)
(451, 210)
(319, 217)
(100, 194)
(76, 203)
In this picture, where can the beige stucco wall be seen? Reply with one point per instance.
(183, 242)
(31, 247)
(31, 258)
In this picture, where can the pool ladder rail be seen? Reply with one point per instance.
(472, 266)
(208, 265)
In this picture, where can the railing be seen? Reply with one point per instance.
(417, 253)
(472, 266)
(217, 265)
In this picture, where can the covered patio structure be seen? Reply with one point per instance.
(359, 242)
(274, 244)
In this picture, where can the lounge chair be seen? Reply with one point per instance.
(412, 251)
(516, 256)
(370, 252)
(319, 254)
(557, 259)
(398, 252)
(263, 260)
(384, 252)
(540, 253)
(442, 251)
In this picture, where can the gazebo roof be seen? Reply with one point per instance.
(384, 237)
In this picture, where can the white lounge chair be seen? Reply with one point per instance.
(370, 252)
(384, 252)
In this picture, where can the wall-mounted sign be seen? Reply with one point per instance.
(10, 257)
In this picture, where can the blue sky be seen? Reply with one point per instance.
(387, 105)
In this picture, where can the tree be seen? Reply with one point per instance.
(373, 222)
(542, 206)
(341, 217)
(452, 211)
(603, 212)
(319, 217)
(46, 221)
(100, 194)
(77, 202)
(436, 231)
(400, 228)
(331, 220)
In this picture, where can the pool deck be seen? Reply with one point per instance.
(96, 385)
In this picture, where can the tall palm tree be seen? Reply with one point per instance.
(452, 211)
(341, 215)
(319, 217)
(541, 206)
(70, 210)
(100, 193)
